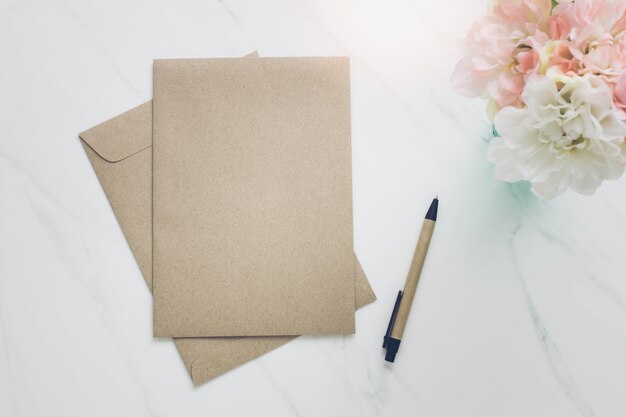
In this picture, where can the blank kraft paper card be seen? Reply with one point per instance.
(252, 202)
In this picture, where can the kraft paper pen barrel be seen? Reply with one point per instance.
(404, 300)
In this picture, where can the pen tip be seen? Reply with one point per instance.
(432, 210)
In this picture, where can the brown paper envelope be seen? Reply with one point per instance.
(120, 152)
(252, 164)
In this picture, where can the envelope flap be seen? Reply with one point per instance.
(122, 136)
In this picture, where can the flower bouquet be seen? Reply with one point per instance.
(554, 75)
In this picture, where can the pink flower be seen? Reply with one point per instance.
(557, 58)
(597, 36)
(503, 50)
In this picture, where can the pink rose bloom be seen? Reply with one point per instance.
(503, 50)
(597, 36)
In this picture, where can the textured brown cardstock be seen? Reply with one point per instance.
(252, 197)
(120, 151)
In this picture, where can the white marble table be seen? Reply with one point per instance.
(522, 306)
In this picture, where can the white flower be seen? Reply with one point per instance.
(569, 135)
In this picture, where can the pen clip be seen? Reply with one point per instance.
(392, 320)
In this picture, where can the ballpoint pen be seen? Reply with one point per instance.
(404, 300)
